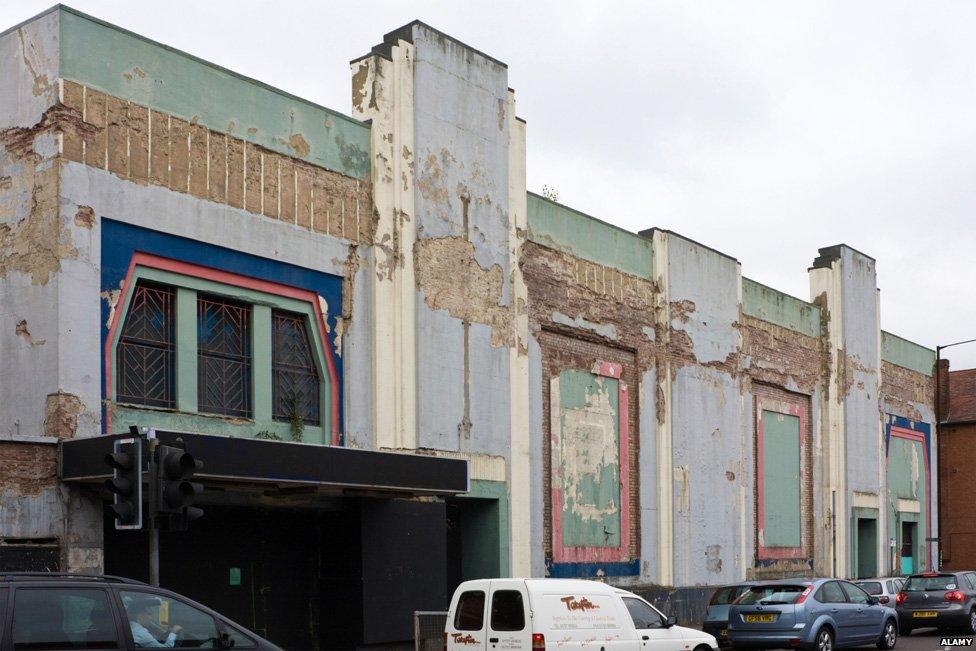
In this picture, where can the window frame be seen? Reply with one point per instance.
(186, 415)
(277, 366)
(664, 620)
(491, 610)
(820, 593)
(457, 610)
(245, 359)
(218, 622)
(168, 349)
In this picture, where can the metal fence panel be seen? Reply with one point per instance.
(428, 630)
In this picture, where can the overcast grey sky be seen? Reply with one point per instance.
(763, 129)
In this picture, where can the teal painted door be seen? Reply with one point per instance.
(867, 547)
(908, 547)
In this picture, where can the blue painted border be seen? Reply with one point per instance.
(591, 570)
(916, 426)
(120, 241)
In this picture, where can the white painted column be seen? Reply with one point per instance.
(665, 457)
(828, 282)
(519, 464)
(383, 93)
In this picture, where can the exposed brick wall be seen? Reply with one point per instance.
(962, 395)
(600, 297)
(902, 389)
(149, 147)
(957, 509)
(28, 468)
(782, 357)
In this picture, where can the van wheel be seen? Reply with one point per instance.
(889, 636)
(825, 640)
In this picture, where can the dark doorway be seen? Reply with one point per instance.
(473, 541)
(867, 547)
(290, 575)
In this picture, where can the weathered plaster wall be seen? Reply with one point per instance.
(703, 297)
(136, 69)
(461, 131)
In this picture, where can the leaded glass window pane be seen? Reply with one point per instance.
(295, 388)
(224, 357)
(145, 356)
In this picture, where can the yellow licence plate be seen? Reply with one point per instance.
(760, 619)
(925, 613)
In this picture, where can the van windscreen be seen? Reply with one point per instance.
(771, 595)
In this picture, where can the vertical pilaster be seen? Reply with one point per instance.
(665, 467)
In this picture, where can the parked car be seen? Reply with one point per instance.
(821, 614)
(74, 611)
(558, 613)
(946, 600)
(884, 588)
(717, 614)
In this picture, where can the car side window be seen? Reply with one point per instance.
(63, 618)
(237, 639)
(971, 578)
(160, 620)
(643, 615)
(855, 594)
(831, 593)
(470, 614)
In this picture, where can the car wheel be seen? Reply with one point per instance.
(971, 628)
(889, 636)
(825, 640)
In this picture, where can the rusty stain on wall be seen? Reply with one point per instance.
(61, 411)
(22, 332)
(451, 279)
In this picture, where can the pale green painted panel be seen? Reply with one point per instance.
(907, 481)
(145, 72)
(784, 310)
(485, 549)
(907, 354)
(590, 459)
(781, 479)
(262, 346)
(564, 229)
(186, 349)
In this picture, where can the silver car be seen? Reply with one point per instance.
(885, 588)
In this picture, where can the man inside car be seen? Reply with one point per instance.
(140, 613)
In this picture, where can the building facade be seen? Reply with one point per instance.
(957, 434)
(404, 367)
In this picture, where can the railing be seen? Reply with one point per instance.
(428, 630)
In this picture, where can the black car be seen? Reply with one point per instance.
(74, 611)
(945, 600)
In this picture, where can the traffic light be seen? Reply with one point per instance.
(126, 482)
(175, 490)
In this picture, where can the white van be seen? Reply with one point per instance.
(534, 614)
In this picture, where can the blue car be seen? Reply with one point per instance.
(821, 614)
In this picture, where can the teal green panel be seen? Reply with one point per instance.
(907, 481)
(781, 479)
(782, 309)
(590, 459)
(866, 547)
(564, 229)
(262, 346)
(148, 73)
(907, 354)
(489, 556)
(186, 349)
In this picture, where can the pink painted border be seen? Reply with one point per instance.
(903, 433)
(226, 278)
(776, 406)
(563, 554)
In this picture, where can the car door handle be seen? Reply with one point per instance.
(645, 638)
(493, 640)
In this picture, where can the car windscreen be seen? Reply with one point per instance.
(871, 587)
(771, 595)
(726, 595)
(927, 583)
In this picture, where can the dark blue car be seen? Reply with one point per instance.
(821, 614)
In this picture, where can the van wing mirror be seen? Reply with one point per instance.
(671, 621)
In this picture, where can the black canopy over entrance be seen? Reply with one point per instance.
(256, 461)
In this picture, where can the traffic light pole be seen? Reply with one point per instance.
(153, 518)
